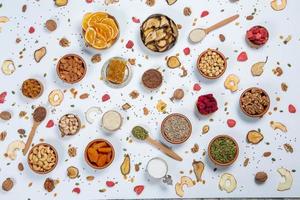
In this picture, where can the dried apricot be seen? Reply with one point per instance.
(99, 145)
(93, 155)
(104, 150)
(101, 160)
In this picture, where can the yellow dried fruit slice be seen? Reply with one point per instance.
(111, 23)
(85, 20)
(100, 42)
(104, 30)
(96, 18)
(90, 35)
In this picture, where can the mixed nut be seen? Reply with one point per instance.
(69, 124)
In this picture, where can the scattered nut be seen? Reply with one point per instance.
(61, 2)
(64, 42)
(205, 129)
(5, 115)
(3, 135)
(20, 167)
(261, 177)
(96, 58)
(49, 184)
(72, 151)
(222, 37)
(7, 184)
(51, 25)
(177, 95)
(72, 172)
(187, 11)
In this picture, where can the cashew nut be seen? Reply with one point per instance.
(278, 125)
(276, 6)
(288, 179)
(13, 147)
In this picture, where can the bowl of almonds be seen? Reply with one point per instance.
(42, 158)
(211, 64)
(69, 124)
(71, 68)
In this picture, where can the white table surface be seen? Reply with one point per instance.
(283, 23)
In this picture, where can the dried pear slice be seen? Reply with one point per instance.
(125, 166)
(173, 62)
(160, 34)
(161, 43)
(39, 54)
(198, 167)
(150, 37)
(288, 179)
(147, 32)
(171, 2)
(254, 137)
(152, 47)
(164, 21)
(150, 23)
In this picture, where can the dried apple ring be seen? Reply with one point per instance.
(8, 67)
(231, 82)
(56, 97)
(227, 183)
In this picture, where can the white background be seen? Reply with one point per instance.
(278, 23)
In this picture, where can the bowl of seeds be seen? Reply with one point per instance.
(176, 128)
(211, 64)
(223, 150)
(42, 158)
(254, 102)
(159, 33)
(69, 125)
(32, 88)
(71, 68)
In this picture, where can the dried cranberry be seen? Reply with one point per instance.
(231, 123)
(129, 44)
(196, 87)
(242, 57)
(2, 97)
(207, 104)
(76, 190)
(110, 184)
(292, 108)
(186, 51)
(204, 13)
(138, 189)
(50, 123)
(135, 20)
(105, 97)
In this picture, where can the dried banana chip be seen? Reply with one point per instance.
(8, 67)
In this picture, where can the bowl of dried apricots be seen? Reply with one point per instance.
(99, 154)
(100, 30)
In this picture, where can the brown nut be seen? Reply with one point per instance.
(49, 184)
(72, 172)
(261, 177)
(5, 115)
(7, 184)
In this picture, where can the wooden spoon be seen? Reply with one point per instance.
(39, 115)
(198, 34)
(141, 134)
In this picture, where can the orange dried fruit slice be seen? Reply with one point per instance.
(85, 20)
(90, 35)
(100, 42)
(111, 23)
(96, 18)
(104, 30)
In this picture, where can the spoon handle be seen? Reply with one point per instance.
(163, 148)
(30, 138)
(221, 23)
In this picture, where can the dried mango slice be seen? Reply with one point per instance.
(92, 155)
(111, 23)
(101, 160)
(85, 20)
(96, 18)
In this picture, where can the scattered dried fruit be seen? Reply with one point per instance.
(51, 25)
(72, 172)
(288, 179)
(198, 167)
(227, 183)
(5, 115)
(173, 62)
(125, 166)
(231, 82)
(278, 6)
(242, 57)
(49, 184)
(184, 181)
(138, 189)
(278, 125)
(61, 2)
(39, 54)
(254, 137)
(8, 67)
(258, 68)
(261, 177)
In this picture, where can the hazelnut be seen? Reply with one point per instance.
(8, 184)
(261, 177)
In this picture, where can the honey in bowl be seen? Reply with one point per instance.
(116, 71)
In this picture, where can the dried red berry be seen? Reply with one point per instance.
(207, 104)
(204, 13)
(110, 183)
(242, 56)
(135, 20)
(50, 124)
(89, 1)
(138, 189)
(231, 123)
(196, 87)
(2, 97)
(105, 97)
(129, 44)
(76, 190)
(186, 51)
(292, 108)
(31, 29)
(258, 35)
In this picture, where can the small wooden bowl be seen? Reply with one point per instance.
(79, 125)
(255, 116)
(155, 71)
(97, 141)
(217, 162)
(163, 131)
(41, 92)
(223, 57)
(115, 40)
(253, 45)
(52, 148)
(84, 66)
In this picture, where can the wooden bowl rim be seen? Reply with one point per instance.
(92, 142)
(223, 57)
(263, 113)
(55, 152)
(79, 124)
(84, 66)
(163, 132)
(215, 161)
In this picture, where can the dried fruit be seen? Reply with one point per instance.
(288, 179)
(105, 97)
(50, 124)
(56, 97)
(292, 108)
(278, 6)
(171, 2)
(39, 54)
(72, 172)
(205, 129)
(207, 104)
(7, 184)
(231, 123)
(231, 82)
(184, 181)
(51, 25)
(258, 68)
(5, 115)
(173, 62)
(204, 13)
(138, 189)
(178, 94)
(8, 67)
(13, 147)
(61, 2)
(198, 167)
(125, 166)
(261, 177)
(278, 125)
(227, 183)
(49, 184)
(242, 57)
(110, 183)
(2, 97)
(288, 148)
(254, 137)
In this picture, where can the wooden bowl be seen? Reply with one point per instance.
(84, 66)
(41, 92)
(223, 57)
(253, 45)
(259, 115)
(87, 159)
(163, 131)
(52, 148)
(79, 125)
(153, 71)
(115, 40)
(217, 162)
